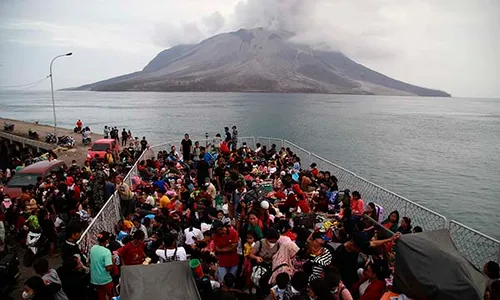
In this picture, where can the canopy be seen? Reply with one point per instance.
(173, 281)
(429, 266)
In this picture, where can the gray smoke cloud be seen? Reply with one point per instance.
(320, 23)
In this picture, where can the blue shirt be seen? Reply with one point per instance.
(100, 258)
(208, 157)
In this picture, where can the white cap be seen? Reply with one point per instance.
(264, 204)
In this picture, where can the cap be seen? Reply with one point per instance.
(217, 224)
(264, 204)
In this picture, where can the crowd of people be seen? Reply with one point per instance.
(256, 223)
(114, 133)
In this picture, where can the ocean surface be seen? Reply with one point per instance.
(443, 153)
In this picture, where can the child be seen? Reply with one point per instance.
(278, 291)
(207, 238)
(247, 250)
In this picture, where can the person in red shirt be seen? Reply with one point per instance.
(314, 170)
(357, 204)
(133, 252)
(225, 241)
(372, 284)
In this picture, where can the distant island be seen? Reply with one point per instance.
(257, 60)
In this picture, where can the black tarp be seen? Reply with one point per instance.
(429, 266)
(173, 281)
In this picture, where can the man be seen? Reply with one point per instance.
(124, 137)
(74, 265)
(138, 226)
(144, 144)
(234, 140)
(186, 148)
(225, 241)
(228, 135)
(492, 270)
(133, 252)
(164, 200)
(210, 188)
(101, 264)
(346, 256)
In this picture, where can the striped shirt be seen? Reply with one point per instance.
(319, 262)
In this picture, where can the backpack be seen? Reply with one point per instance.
(168, 259)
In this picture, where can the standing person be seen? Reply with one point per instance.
(73, 270)
(228, 136)
(124, 137)
(196, 154)
(116, 134)
(101, 264)
(50, 277)
(216, 142)
(106, 132)
(226, 243)
(186, 148)
(234, 139)
(144, 144)
(98, 187)
(133, 252)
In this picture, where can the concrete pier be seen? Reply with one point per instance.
(18, 140)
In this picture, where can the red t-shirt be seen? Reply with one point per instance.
(228, 259)
(304, 207)
(131, 254)
(315, 172)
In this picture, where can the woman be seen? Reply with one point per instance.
(169, 251)
(319, 256)
(392, 222)
(372, 211)
(405, 227)
(282, 260)
(35, 289)
(372, 284)
(264, 250)
(253, 224)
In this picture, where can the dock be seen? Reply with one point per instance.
(20, 137)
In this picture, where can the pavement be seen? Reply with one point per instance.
(78, 153)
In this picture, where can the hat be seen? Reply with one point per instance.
(264, 204)
(313, 165)
(217, 224)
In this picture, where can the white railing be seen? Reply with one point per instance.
(477, 247)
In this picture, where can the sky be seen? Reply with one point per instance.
(451, 45)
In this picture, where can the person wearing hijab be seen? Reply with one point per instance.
(282, 260)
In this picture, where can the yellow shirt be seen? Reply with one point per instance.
(128, 224)
(164, 201)
(248, 249)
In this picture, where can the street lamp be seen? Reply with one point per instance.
(52, 89)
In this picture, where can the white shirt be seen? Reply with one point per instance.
(363, 287)
(141, 228)
(195, 232)
(180, 255)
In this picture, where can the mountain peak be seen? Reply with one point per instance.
(258, 59)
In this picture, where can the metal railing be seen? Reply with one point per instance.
(477, 247)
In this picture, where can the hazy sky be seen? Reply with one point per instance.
(453, 45)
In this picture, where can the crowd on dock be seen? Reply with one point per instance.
(254, 223)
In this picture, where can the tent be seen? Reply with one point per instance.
(429, 266)
(173, 281)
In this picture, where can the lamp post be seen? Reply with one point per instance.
(52, 89)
